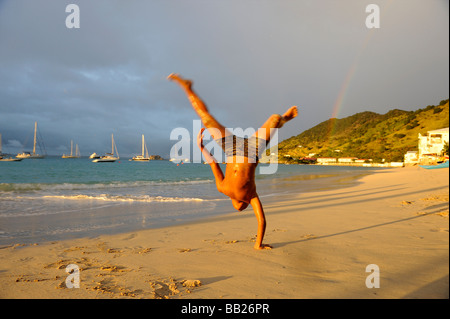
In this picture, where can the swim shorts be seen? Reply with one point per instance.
(251, 148)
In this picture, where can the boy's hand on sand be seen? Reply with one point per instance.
(263, 246)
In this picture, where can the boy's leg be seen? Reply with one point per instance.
(213, 126)
(275, 121)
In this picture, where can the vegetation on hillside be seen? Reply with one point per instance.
(367, 135)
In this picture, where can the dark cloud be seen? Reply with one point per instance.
(248, 59)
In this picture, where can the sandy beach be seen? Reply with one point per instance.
(396, 219)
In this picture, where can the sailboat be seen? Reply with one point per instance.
(109, 157)
(77, 151)
(6, 159)
(34, 154)
(142, 157)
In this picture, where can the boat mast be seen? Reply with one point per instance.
(71, 147)
(112, 144)
(143, 145)
(34, 144)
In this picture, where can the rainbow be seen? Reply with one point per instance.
(338, 104)
(349, 76)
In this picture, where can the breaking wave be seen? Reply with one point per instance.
(34, 187)
(124, 198)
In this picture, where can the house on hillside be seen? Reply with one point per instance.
(411, 158)
(322, 160)
(431, 145)
(347, 159)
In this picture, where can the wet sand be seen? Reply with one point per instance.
(322, 243)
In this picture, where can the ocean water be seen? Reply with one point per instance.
(54, 198)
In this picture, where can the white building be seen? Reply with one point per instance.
(431, 145)
(322, 160)
(411, 157)
(347, 159)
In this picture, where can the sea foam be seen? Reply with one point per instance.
(123, 198)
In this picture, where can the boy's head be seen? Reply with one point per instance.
(238, 205)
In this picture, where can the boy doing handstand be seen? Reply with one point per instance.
(238, 182)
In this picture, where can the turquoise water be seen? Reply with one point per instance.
(55, 170)
(55, 198)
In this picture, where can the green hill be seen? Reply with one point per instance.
(367, 135)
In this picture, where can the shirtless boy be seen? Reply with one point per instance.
(238, 183)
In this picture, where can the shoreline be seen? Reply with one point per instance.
(74, 216)
(323, 240)
(352, 164)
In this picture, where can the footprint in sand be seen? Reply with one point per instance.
(439, 230)
(107, 285)
(163, 289)
(113, 251)
(189, 283)
(443, 214)
(113, 268)
(60, 264)
(144, 250)
(439, 198)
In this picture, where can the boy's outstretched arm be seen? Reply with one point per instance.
(218, 174)
(259, 212)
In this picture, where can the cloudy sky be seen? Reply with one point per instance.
(248, 59)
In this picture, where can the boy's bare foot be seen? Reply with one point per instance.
(178, 79)
(263, 246)
(290, 114)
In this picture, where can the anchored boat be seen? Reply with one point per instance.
(144, 149)
(33, 154)
(109, 157)
(6, 159)
(77, 151)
